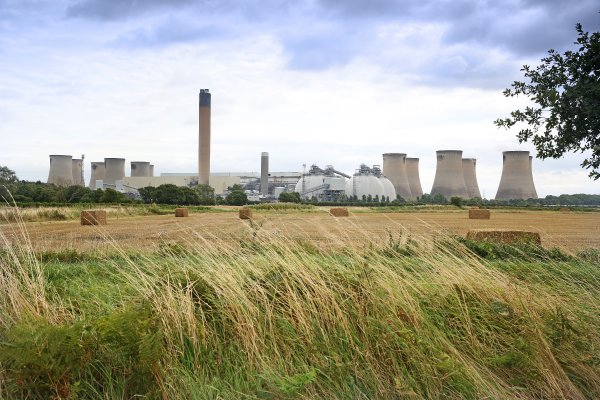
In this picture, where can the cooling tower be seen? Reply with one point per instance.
(470, 177)
(204, 138)
(517, 177)
(151, 170)
(77, 168)
(414, 181)
(114, 170)
(97, 173)
(449, 181)
(394, 168)
(140, 168)
(61, 170)
(264, 173)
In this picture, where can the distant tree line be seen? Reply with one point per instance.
(37, 192)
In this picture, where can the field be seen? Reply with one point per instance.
(570, 231)
(297, 304)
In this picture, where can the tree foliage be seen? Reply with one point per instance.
(290, 197)
(237, 196)
(7, 175)
(566, 91)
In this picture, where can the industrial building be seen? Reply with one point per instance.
(394, 168)
(470, 177)
(322, 184)
(77, 168)
(400, 177)
(414, 180)
(517, 177)
(61, 170)
(368, 183)
(449, 180)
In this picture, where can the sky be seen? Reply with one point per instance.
(329, 82)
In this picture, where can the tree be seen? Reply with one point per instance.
(566, 89)
(237, 196)
(289, 197)
(7, 175)
(206, 194)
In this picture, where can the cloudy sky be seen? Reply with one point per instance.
(310, 81)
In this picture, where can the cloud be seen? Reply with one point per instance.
(118, 9)
(172, 31)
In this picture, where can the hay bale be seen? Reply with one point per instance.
(504, 236)
(245, 213)
(93, 217)
(339, 212)
(475, 213)
(181, 212)
(565, 210)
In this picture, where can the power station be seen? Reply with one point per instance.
(470, 177)
(394, 168)
(414, 181)
(449, 180)
(454, 176)
(204, 138)
(517, 177)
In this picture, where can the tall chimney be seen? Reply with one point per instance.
(470, 177)
(204, 138)
(517, 177)
(449, 180)
(414, 180)
(394, 168)
(61, 170)
(264, 173)
(151, 170)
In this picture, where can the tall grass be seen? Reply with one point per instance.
(276, 318)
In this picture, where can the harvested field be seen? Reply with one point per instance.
(573, 231)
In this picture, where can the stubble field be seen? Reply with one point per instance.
(571, 231)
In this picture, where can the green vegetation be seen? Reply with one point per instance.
(565, 90)
(236, 196)
(290, 197)
(273, 318)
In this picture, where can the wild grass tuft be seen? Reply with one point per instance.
(272, 317)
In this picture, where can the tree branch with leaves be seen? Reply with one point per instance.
(566, 91)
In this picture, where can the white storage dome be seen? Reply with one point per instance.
(309, 181)
(364, 185)
(388, 188)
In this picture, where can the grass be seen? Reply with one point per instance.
(64, 213)
(269, 317)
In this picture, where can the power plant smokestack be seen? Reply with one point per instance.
(449, 180)
(77, 168)
(61, 170)
(264, 173)
(114, 170)
(470, 177)
(204, 138)
(394, 168)
(151, 170)
(517, 177)
(140, 168)
(97, 173)
(414, 181)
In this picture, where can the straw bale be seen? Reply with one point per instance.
(245, 213)
(181, 212)
(339, 212)
(93, 217)
(504, 236)
(479, 214)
